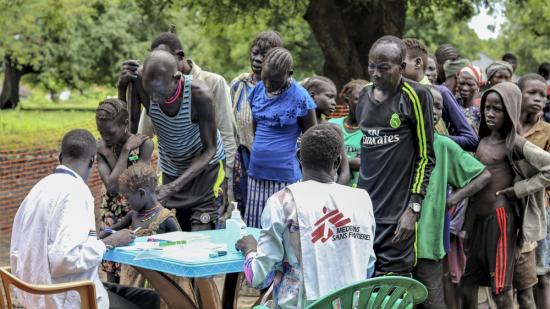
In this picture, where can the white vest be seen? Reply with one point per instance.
(336, 235)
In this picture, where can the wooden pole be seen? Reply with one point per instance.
(129, 100)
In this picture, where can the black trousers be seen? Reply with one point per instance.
(126, 297)
(393, 258)
(430, 273)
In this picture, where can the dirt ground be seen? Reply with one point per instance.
(245, 301)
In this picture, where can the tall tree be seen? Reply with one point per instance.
(344, 29)
(26, 27)
(10, 87)
(223, 47)
(72, 42)
(77, 42)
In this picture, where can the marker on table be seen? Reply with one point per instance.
(217, 253)
(172, 243)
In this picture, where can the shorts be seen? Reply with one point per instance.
(525, 272)
(490, 251)
(393, 258)
(197, 203)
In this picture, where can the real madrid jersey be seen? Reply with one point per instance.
(397, 147)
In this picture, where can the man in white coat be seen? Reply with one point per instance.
(54, 238)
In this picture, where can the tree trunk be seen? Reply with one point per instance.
(346, 29)
(10, 88)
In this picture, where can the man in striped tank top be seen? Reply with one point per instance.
(221, 99)
(190, 146)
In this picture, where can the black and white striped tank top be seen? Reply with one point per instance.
(178, 137)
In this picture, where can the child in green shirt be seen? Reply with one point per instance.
(323, 92)
(350, 127)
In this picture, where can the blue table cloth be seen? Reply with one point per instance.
(230, 263)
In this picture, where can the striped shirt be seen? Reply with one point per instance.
(178, 137)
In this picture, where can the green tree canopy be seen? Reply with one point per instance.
(75, 43)
(526, 33)
(69, 42)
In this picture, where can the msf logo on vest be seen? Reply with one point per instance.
(322, 232)
(335, 226)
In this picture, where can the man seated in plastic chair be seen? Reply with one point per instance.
(54, 236)
(317, 236)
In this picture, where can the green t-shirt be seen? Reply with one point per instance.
(454, 167)
(353, 145)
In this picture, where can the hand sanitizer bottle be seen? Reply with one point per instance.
(236, 228)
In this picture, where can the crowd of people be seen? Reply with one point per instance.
(438, 172)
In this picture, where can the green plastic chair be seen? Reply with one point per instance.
(388, 292)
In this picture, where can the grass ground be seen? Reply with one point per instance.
(85, 99)
(41, 122)
(20, 128)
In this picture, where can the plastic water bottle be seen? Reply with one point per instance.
(236, 228)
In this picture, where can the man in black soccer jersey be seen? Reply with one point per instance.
(397, 158)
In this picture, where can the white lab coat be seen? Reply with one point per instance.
(54, 240)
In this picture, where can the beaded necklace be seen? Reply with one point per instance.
(176, 95)
(148, 214)
(278, 92)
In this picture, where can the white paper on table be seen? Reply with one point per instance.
(140, 246)
(191, 253)
(177, 236)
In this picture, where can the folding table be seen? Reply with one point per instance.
(154, 270)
